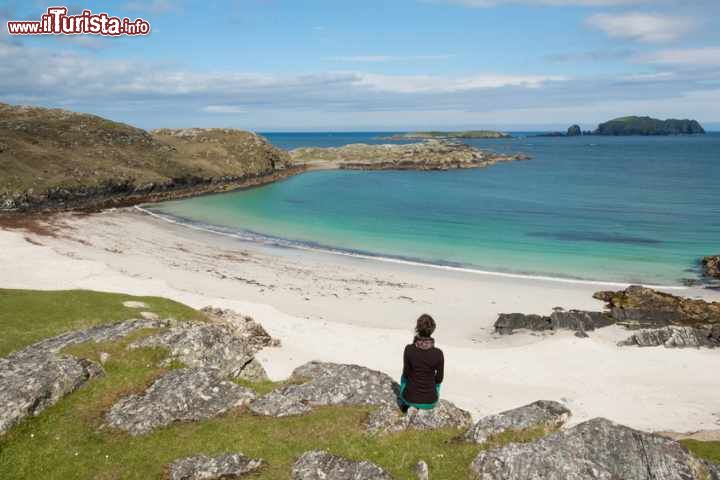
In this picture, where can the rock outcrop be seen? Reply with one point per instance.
(543, 414)
(711, 266)
(641, 307)
(574, 131)
(429, 155)
(389, 419)
(328, 384)
(202, 467)
(37, 377)
(676, 337)
(59, 159)
(246, 328)
(594, 450)
(575, 320)
(203, 345)
(320, 465)
(188, 394)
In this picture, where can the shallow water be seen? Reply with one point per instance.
(627, 209)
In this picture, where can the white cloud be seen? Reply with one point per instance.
(644, 27)
(440, 84)
(223, 109)
(699, 57)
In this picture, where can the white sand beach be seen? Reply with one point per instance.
(353, 310)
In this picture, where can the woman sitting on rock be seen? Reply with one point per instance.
(423, 368)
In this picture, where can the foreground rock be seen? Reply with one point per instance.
(203, 345)
(429, 155)
(711, 266)
(328, 384)
(203, 467)
(390, 419)
(188, 394)
(640, 307)
(37, 377)
(594, 450)
(676, 337)
(320, 465)
(250, 331)
(574, 320)
(543, 414)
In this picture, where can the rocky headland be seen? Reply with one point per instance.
(57, 159)
(428, 155)
(53, 159)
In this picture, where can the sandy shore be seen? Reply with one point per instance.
(344, 309)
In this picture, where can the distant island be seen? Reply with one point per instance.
(468, 134)
(634, 125)
(649, 126)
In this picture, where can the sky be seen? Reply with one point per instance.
(344, 65)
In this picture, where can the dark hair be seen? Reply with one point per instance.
(425, 325)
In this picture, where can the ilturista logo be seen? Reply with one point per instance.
(56, 21)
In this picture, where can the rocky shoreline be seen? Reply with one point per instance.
(428, 155)
(56, 160)
(655, 319)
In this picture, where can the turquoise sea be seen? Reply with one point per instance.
(626, 209)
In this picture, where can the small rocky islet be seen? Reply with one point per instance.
(214, 354)
(635, 125)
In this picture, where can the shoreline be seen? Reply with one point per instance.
(289, 243)
(331, 308)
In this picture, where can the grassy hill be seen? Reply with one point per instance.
(56, 158)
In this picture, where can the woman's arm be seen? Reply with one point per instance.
(440, 370)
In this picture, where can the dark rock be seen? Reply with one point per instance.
(509, 322)
(711, 266)
(320, 465)
(676, 337)
(389, 419)
(544, 414)
(188, 394)
(204, 345)
(594, 450)
(640, 307)
(579, 320)
(581, 334)
(36, 377)
(575, 320)
(203, 467)
(574, 131)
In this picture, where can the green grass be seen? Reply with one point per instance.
(68, 441)
(27, 316)
(707, 450)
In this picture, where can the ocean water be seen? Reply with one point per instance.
(625, 209)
